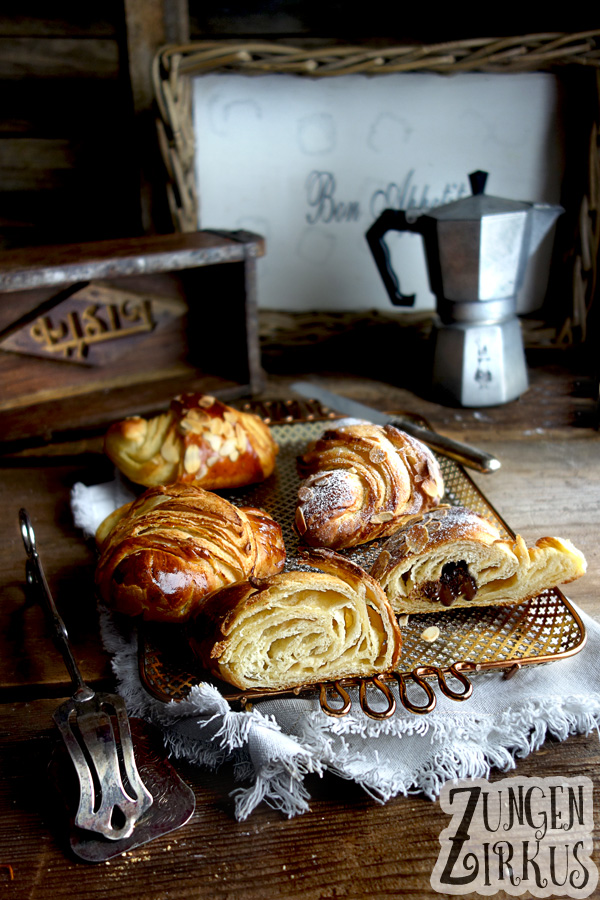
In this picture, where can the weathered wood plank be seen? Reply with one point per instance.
(28, 18)
(64, 108)
(347, 845)
(27, 164)
(28, 654)
(58, 58)
(33, 267)
(149, 24)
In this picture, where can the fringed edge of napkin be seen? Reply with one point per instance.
(203, 729)
(478, 744)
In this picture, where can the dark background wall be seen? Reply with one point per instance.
(77, 149)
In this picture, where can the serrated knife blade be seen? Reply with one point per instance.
(462, 453)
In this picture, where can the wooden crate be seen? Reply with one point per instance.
(92, 332)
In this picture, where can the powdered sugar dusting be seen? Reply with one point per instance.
(330, 494)
(447, 523)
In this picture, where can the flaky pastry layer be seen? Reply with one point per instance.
(298, 627)
(452, 558)
(360, 482)
(170, 548)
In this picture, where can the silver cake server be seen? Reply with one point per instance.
(462, 453)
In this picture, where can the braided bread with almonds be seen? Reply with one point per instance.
(199, 440)
(163, 553)
(360, 482)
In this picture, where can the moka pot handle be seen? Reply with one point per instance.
(391, 220)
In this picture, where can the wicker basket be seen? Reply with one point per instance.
(175, 65)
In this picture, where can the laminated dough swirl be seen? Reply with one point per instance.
(163, 553)
(297, 627)
(199, 440)
(452, 557)
(360, 482)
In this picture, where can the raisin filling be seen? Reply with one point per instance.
(455, 581)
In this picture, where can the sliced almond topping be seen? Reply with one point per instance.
(430, 487)
(241, 437)
(403, 620)
(194, 421)
(170, 451)
(227, 447)
(214, 441)
(191, 460)
(300, 522)
(431, 634)
(197, 415)
(417, 537)
(234, 455)
(206, 400)
(380, 564)
(381, 517)
(376, 455)
(230, 416)
(216, 425)
(319, 476)
(305, 493)
(215, 458)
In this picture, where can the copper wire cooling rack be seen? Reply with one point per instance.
(542, 630)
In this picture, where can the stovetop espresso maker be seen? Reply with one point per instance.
(477, 250)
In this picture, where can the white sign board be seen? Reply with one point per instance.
(311, 163)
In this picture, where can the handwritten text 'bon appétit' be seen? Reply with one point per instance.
(326, 207)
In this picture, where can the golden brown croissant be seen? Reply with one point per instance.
(199, 440)
(297, 627)
(360, 481)
(451, 556)
(163, 553)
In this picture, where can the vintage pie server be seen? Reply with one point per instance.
(115, 809)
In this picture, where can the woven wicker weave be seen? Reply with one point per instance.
(175, 65)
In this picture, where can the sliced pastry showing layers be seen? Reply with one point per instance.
(298, 627)
(162, 554)
(452, 557)
(360, 482)
(199, 440)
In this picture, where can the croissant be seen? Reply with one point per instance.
(451, 556)
(297, 627)
(360, 482)
(163, 553)
(199, 440)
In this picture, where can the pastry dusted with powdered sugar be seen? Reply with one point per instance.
(360, 482)
(452, 557)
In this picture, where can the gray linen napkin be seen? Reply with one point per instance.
(276, 743)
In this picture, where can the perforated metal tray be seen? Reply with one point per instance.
(541, 630)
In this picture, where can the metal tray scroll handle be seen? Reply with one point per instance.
(379, 683)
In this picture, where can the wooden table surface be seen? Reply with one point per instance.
(348, 845)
